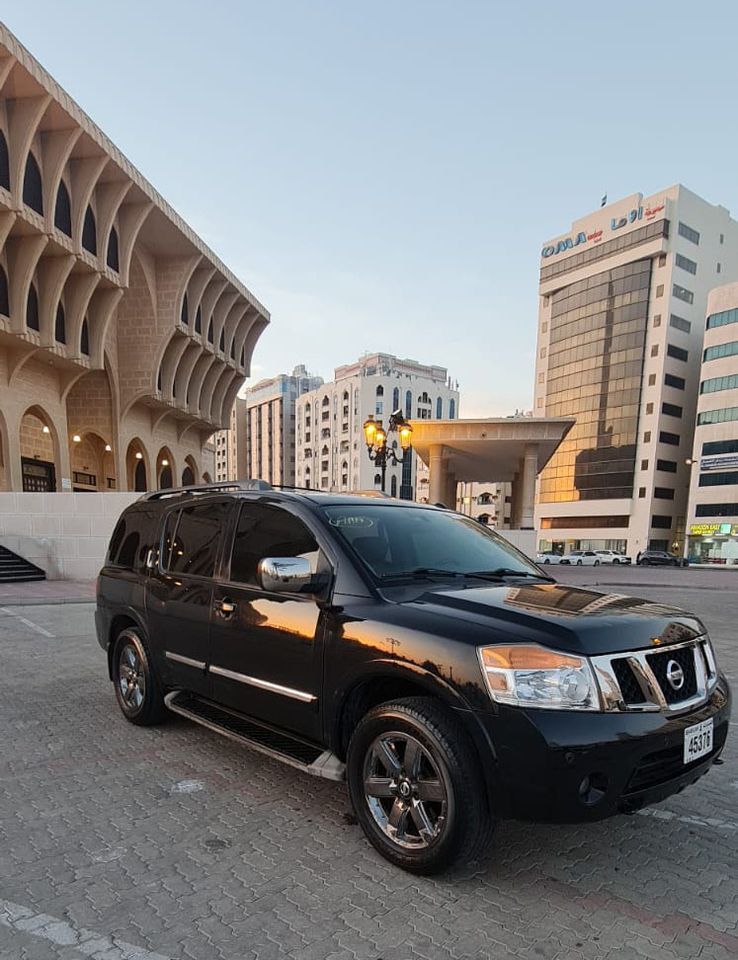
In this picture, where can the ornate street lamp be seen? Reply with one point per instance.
(377, 444)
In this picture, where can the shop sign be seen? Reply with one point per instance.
(726, 461)
(713, 529)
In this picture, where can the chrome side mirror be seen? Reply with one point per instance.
(284, 574)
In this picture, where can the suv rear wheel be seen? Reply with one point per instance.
(137, 688)
(416, 787)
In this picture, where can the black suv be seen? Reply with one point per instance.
(659, 558)
(411, 651)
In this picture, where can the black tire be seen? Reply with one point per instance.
(546, 561)
(450, 798)
(137, 688)
(579, 563)
(615, 560)
(596, 563)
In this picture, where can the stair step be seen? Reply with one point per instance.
(14, 569)
(257, 736)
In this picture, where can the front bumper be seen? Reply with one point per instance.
(568, 767)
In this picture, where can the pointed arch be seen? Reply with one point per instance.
(32, 312)
(4, 294)
(63, 210)
(60, 324)
(89, 232)
(4, 162)
(33, 190)
(111, 257)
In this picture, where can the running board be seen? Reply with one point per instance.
(257, 736)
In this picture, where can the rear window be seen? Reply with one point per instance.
(134, 535)
(192, 537)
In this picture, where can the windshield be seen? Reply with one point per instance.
(396, 542)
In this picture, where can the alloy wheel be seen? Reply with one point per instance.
(405, 790)
(131, 677)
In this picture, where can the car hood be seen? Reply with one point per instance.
(564, 617)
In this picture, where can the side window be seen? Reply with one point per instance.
(195, 544)
(267, 531)
(132, 538)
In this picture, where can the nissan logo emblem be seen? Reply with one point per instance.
(675, 674)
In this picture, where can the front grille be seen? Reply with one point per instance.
(684, 657)
(629, 686)
(664, 765)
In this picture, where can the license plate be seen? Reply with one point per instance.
(697, 741)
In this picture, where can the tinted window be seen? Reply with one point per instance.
(195, 544)
(267, 531)
(132, 539)
(395, 541)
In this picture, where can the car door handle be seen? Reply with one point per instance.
(226, 608)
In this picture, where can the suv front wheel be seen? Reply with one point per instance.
(137, 688)
(416, 787)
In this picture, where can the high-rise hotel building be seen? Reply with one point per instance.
(623, 298)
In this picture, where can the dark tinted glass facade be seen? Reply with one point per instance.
(595, 365)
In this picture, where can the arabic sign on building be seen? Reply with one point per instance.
(728, 461)
(650, 212)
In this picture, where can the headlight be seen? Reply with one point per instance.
(532, 676)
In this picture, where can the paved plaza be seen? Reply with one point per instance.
(120, 842)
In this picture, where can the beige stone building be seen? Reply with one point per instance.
(123, 339)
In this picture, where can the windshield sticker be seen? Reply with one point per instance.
(356, 523)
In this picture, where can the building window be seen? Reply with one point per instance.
(379, 407)
(657, 320)
(716, 510)
(4, 162)
(89, 232)
(4, 298)
(60, 325)
(711, 447)
(32, 321)
(721, 350)
(666, 466)
(641, 493)
(722, 319)
(210, 331)
(652, 379)
(716, 384)
(84, 340)
(649, 408)
(33, 193)
(409, 403)
(452, 409)
(677, 353)
(679, 323)
(380, 390)
(663, 493)
(718, 268)
(63, 210)
(673, 381)
(198, 320)
(655, 350)
(722, 238)
(670, 438)
(647, 436)
(660, 290)
(662, 259)
(112, 254)
(221, 342)
(644, 464)
(393, 486)
(686, 264)
(688, 233)
(725, 478)
(681, 293)
(661, 522)
(672, 410)
(184, 318)
(439, 408)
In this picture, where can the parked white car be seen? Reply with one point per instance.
(548, 556)
(582, 558)
(612, 556)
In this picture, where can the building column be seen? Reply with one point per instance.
(449, 492)
(528, 487)
(515, 501)
(437, 474)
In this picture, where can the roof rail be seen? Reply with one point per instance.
(222, 486)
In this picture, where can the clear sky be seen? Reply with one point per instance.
(382, 174)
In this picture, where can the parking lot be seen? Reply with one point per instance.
(122, 842)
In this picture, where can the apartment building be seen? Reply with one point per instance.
(712, 518)
(623, 296)
(330, 449)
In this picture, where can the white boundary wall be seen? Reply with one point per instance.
(66, 534)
